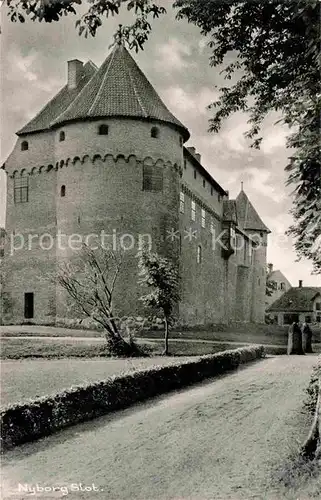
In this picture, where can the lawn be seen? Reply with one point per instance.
(13, 348)
(23, 379)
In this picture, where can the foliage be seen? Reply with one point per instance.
(277, 64)
(276, 49)
(21, 423)
(47, 10)
(312, 389)
(270, 287)
(161, 276)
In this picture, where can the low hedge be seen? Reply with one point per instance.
(21, 423)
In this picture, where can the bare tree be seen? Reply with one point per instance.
(91, 287)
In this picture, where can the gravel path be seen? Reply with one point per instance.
(221, 440)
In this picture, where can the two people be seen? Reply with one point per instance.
(299, 340)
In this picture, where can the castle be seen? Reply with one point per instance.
(105, 155)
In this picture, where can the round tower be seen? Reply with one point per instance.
(118, 156)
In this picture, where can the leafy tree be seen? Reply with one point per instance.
(161, 276)
(91, 286)
(270, 287)
(276, 64)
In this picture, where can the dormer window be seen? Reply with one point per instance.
(63, 191)
(24, 146)
(62, 136)
(154, 132)
(103, 129)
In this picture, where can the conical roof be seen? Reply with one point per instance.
(58, 104)
(119, 88)
(247, 216)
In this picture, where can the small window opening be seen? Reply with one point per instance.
(203, 218)
(63, 191)
(182, 202)
(199, 254)
(29, 305)
(193, 211)
(62, 136)
(24, 146)
(154, 132)
(103, 129)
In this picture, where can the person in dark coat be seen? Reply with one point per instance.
(307, 338)
(295, 340)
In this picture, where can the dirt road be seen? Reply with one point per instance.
(222, 440)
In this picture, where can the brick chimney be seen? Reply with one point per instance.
(270, 267)
(75, 68)
(300, 283)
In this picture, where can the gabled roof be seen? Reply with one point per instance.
(43, 120)
(297, 299)
(247, 216)
(277, 275)
(187, 153)
(118, 88)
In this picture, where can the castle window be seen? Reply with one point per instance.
(29, 305)
(24, 146)
(193, 211)
(182, 202)
(203, 218)
(219, 197)
(318, 306)
(233, 238)
(63, 191)
(185, 163)
(195, 174)
(152, 178)
(282, 286)
(154, 132)
(21, 189)
(181, 142)
(62, 136)
(199, 254)
(212, 191)
(103, 129)
(204, 183)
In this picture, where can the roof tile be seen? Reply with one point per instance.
(297, 299)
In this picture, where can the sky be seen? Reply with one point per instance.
(176, 60)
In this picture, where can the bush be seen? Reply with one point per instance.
(313, 388)
(21, 423)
